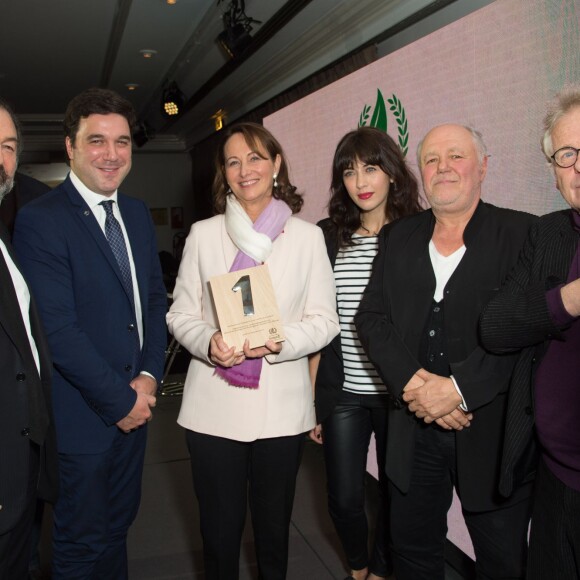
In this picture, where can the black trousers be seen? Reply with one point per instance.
(15, 544)
(346, 434)
(419, 519)
(224, 471)
(555, 537)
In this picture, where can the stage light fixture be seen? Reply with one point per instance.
(142, 133)
(173, 101)
(235, 37)
(234, 40)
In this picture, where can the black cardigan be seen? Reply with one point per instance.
(330, 375)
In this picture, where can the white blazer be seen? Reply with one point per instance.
(304, 286)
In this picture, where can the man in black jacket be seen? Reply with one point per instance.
(418, 323)
(537, 313)
(27, 451)
(25, 190)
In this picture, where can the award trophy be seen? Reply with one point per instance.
(246, 307)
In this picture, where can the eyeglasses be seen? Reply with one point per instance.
(565, 157)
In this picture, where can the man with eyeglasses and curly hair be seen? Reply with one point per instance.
(537, 311)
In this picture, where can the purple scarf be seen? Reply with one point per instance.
(270, 222)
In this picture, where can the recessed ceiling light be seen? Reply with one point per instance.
(148, 52)
(171, 2)
(132, 86)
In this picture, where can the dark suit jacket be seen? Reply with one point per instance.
(23, 394)
(391, 322)
(518, 318)
(25, 190)
(87, 314)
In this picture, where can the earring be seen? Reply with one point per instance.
(229, 190)
(275, 180)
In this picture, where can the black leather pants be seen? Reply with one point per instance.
(346, 435)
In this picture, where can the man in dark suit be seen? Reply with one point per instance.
(25, 190)
(27, 446)
(418, 323)
(91, 257)
(536, 313)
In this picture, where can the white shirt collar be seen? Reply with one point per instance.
(91, 198)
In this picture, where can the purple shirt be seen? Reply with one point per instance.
(557, 388)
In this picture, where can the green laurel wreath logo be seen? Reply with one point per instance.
(379, 118)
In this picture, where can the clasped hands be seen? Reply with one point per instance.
(434, 398)
(145, 387)
(222, 354)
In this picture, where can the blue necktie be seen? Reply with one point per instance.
(116, 240)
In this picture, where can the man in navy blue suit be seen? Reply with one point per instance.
(91, 258)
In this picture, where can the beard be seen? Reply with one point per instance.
(6, 183)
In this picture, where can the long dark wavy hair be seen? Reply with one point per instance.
(264, 144)
(372, 147)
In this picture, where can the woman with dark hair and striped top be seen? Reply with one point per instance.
(371, 186)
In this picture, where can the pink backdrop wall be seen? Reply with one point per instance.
(494, 69)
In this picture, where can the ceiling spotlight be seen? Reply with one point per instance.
(171, 2)
(235, 37)
(148, 52)
(132, 86)
(173, 100)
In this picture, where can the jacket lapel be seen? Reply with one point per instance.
(10, 317)
(134, 229)
(88, 220)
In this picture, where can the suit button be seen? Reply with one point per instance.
(20, 377)
(528, 410)
(128, 368)
(25, 432)
(131, 327)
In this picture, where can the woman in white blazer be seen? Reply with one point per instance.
(246, 413)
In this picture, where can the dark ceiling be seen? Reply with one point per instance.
(54, 49)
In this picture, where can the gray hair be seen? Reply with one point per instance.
(567, 99)
(477, 141)
(6, 107)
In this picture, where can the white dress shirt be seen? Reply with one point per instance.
(23, 295)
